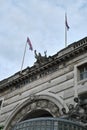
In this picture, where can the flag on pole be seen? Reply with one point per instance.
(66, 29)
(29, 43)
(30, 47)
(66, 23)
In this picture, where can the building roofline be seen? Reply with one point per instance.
(63, 55)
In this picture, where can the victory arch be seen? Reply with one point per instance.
(50, 95)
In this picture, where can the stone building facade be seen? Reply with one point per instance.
(47, 87)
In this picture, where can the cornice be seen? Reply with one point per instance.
(64, 55)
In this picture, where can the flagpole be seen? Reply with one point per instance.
(65, 31)
(65, 36)
(23, 57)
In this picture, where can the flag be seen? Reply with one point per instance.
(66, 23)
(29, 43)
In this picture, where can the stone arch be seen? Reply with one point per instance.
(35, 102)
(37, 114)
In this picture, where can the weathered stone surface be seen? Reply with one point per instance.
(68, 93)
(56, 79)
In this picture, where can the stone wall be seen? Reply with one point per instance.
(60, 86)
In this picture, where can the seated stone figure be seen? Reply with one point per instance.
(40, 59)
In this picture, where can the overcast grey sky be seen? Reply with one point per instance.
(43, 22)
